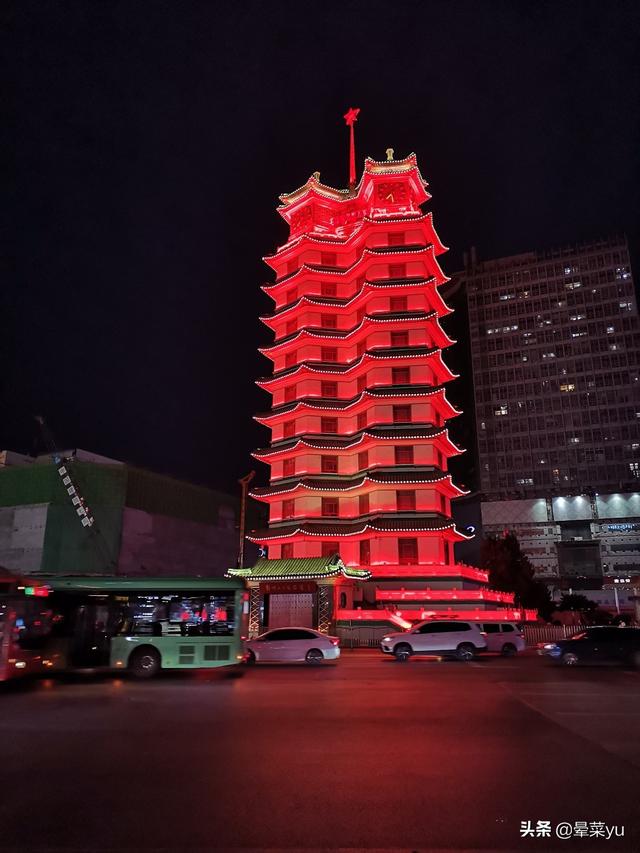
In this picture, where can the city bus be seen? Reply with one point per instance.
(140, 625)
(24, 624)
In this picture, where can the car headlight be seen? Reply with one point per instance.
(386, 639)
(549, 646)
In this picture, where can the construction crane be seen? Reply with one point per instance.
(75, 496)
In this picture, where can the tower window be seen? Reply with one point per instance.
(291, 327)
(328, 389)
(399, 339)
(329, 464)
(328, 259)
(362, 383)
(290, 359)
(397, 238)
(400, 376)
(363, 504)
(328, 425)
(288, 508)
(330, 548)
(406, 499)
(363, 460)
(288, 467)
(289, 393)
(329, 321)
(286, 551)
(397, 270)
(402, 414)
(328, 288)
(289, 429)
(292, 295)
(330, 507)
(365, 552)
(362, 420)
(329, 354)
(398, 303)
(403, 455)
(407, 551)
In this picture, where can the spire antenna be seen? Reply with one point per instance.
(350, 118)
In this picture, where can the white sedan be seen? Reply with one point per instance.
(293, 644)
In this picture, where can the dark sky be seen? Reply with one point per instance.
(150, 143)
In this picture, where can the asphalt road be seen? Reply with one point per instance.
(365, 754)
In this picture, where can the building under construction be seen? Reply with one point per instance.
(141, 523)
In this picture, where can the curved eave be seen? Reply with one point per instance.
(307, 367)
(439, 306)
(269, 494)
(314, 270)
(313, 187)
(317, 333)
(358, 529)
(303, 407)
(359, 232)
(366, 436)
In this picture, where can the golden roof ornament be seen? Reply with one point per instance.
(316, 175)
(389, 153)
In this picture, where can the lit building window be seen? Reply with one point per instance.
(502, 409)
(634, 467)
(569, 386)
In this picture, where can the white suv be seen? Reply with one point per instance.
(506, 638)
(460, 640)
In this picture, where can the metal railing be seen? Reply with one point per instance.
(534, 634)
(368, 637)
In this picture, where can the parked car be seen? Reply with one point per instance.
(293, 644)
(460, 640)
(596, 645)
(506, 638)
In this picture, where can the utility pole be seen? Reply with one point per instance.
(244, 483)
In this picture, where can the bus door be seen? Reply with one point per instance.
(91, 635)
(5, 638)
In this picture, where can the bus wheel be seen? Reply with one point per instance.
(145, 662)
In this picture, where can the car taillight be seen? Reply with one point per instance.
(335, 641)
(483, 633)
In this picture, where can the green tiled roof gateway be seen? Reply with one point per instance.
(298, 568)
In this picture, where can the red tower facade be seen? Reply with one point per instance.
(359, 442)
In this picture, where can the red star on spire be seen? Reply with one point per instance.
(350, 118)
(351, 115)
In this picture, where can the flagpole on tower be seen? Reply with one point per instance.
(350, 118)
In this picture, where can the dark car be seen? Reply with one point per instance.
(597, 645)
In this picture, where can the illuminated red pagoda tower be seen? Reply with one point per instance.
(359, 443)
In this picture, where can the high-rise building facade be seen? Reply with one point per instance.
(359, 443)
(555, 347)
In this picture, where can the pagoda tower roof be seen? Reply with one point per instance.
(380, 524)
(297, 568)
(338, 484)
(368, 436)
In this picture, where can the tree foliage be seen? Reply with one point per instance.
(576, 601)
(510, 570)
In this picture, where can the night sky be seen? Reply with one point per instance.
(150, 142)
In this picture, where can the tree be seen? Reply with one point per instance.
(510, 570)
(576, 602)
